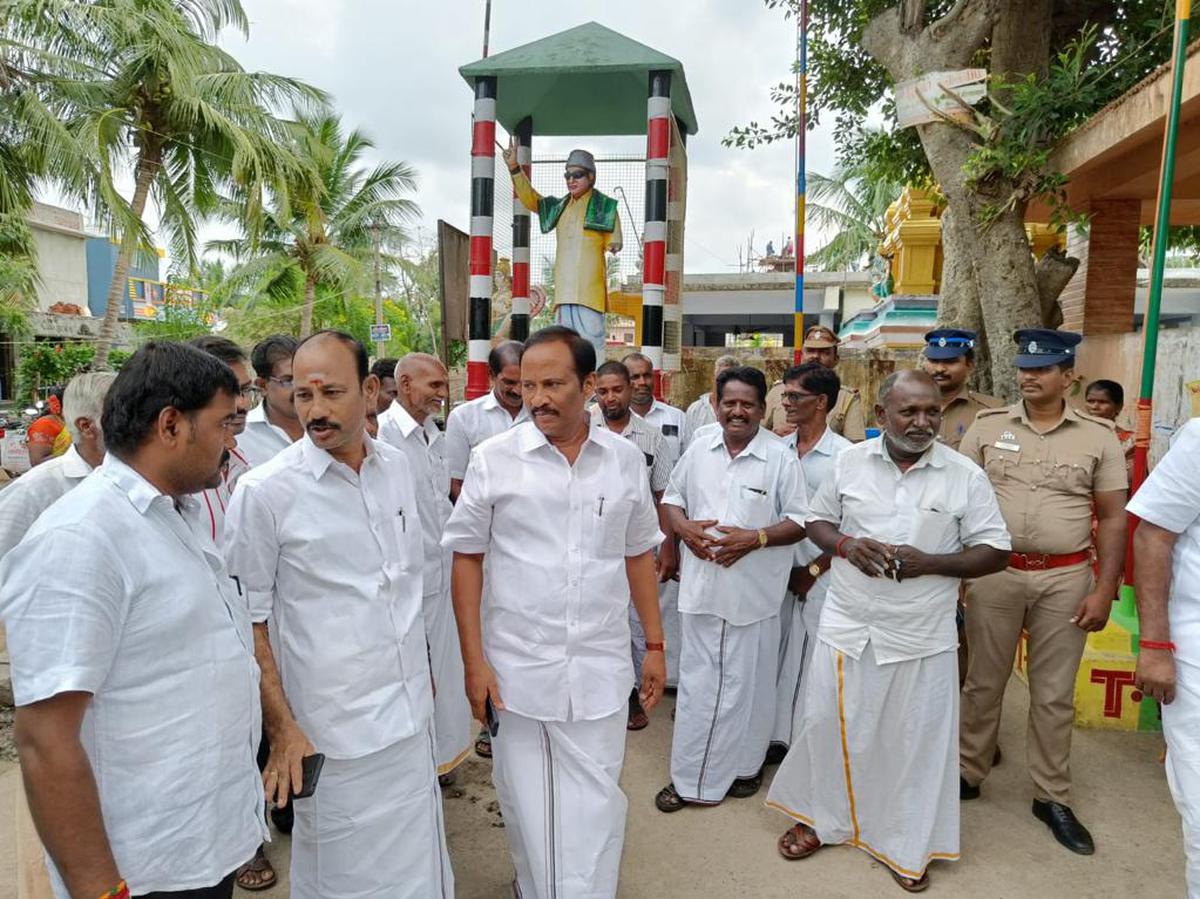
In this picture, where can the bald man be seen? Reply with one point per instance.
(408, 424)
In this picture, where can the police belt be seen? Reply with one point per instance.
(1041, 561)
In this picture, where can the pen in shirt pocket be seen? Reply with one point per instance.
(403, 522)
(600, 508)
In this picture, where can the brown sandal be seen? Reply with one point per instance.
(483, 744)
(257, 874)
(799, 841)
(908, 884)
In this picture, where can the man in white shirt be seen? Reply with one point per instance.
(671, 422)
(496, 411)
(1166, 549)
(272, 425)
(408, 424)
(875, 758)
(20, 505)
(33, 493)
(704, 410)
(612, 410)
(326, 540)
(135, 683)
(561, 515)
(810, 392)
(737, 500)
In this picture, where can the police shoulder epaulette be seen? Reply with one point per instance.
(985, 399)
(853, 391)
(984, 413)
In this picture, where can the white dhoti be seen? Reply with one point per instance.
(374, 828)
(564, 813)
(453, 725)
(726, 704)
(1181, 723)
(668, 606)
(797, 639)
(875, 760)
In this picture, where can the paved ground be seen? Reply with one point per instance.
(729, 851)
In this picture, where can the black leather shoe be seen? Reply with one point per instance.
(1064, 825)
(966, 791)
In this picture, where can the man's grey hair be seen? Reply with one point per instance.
(903, 374)
(84, 398)
(724, 362)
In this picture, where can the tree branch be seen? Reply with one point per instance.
(1053, 271)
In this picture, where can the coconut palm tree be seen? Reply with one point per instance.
(322, 237)
(851, 205)
(159, 99)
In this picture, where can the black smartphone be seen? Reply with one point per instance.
(311, 772)
(493, 722)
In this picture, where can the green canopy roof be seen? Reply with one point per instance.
(588, 80)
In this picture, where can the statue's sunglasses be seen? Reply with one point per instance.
(576, 174)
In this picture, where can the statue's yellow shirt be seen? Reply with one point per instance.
(579, 262)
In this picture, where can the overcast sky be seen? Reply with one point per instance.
(392, 69)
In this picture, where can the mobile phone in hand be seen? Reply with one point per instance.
(493, 721)
(310, 772)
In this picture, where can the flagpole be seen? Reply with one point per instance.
(801, 182)
(1162, 222)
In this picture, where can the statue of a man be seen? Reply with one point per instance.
(586, 226)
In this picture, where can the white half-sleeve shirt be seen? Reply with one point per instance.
(115, 592)
(555, 537)
(261, 440)
(671, 423)
(942, 504)
(817, 467)
(758, 488)
(1170, 499)
(334, 559)
(22, 501)
(423, 446)
(470, 424)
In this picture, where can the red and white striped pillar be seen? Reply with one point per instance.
(519, 324)
(654, 242)
(483, 194)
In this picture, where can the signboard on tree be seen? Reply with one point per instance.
(381, 333)
(939, 95)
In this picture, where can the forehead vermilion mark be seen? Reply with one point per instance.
(316, 379)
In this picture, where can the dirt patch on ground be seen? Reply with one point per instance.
(8, 748)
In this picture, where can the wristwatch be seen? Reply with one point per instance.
(762, 538)
(814, 568)
(656, 647)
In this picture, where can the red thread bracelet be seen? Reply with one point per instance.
(838, 549)
(1157, 644)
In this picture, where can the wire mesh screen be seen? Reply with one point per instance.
(621, 177)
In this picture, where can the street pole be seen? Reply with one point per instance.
(487, 26)
(801, 181)
(1162, 222)
(380, 346)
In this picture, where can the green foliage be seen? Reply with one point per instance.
(851, 205)
(179, 319)
(43, 364)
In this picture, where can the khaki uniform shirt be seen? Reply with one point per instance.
(845, 419)
(1045, 482)
(959, 414)
(580, 271)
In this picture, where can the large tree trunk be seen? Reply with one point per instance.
(996, 257)
(147, 167)
(310, 299)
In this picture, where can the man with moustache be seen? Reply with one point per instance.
(846, 418)
(950, 360)
(326, 540)
(612, 410)
(272, 425)
(496, 411)
(1051, 466)
(737, 500)
(873, 761)
(135, 681)
(561, 514)
(422, 386)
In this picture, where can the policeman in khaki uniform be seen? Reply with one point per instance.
(949, 360)
(820, 345)
(1049, 464)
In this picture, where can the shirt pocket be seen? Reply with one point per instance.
(752, 507)
(611, 525)
(1070, 474)
(1000, 464)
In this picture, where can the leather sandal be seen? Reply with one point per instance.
(668, 799)
(908, 884)
(256, 874)
(799, 841)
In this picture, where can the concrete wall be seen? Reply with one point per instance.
(1119, 358)
(62, 260)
